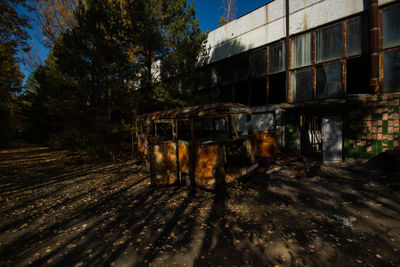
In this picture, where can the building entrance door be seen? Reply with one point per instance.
(332, 138)
(310, 136)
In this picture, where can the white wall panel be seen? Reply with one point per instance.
(317, 13)
(383, 2)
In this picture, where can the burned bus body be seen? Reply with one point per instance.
(205, 145)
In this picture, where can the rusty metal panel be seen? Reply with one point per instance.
(194, 111)
(142, 144)
(184, 156)
(266, 144)
(239, 158)
(163, 163)
(208, 165)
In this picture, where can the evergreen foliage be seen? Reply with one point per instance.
(116, 60)
(13, 42)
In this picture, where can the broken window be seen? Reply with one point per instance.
(329, 80)
(329, 43)
(258, 92)
(204, 78)
(240, 68)
(263, 122)
(152, 129)
(391, 28)
(258, 63)
(276, 57)
(164, 131)
(353, 37)
(241, 124)
(357, 71)
(242, 93)
(277, 88)
(213, 76)
(225, 72)
(301, 84)
(209, 129)
(301, 50)
(184, 130)
(391, 70)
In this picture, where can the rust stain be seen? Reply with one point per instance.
(266, 145)
(163, 179)
(201, 110)
(143, 144)
(183, 151)
(206, 159)
(163, 163)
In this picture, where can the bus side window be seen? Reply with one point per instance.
(184, 130)
(241, 124)
(164, 131)
(222, 129)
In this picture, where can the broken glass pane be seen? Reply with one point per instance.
(263, 122)
(391, 28)
(301, 85)
(353, 37)
(241, 124)
(204, 78)
(258, 63)
(241, 67)
(277, 57)
(301, 50)
(391, 71)
(164, 131)
(330, 80)
(329, 43)
(214, 76)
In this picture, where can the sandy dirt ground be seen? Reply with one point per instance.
(62, 209)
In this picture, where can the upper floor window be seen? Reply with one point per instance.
(391, 26)
(301, 50)
(258, 63)
(329, 44)
(353, 37)
(277, 57)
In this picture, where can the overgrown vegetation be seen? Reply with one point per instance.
(109, 60)
(13, 42)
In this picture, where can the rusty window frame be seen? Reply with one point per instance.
(382, 50)
(212, 117)
(260, 113)
(314, 65)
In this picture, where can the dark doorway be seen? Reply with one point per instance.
(258, 92)
(310, 136)
(242, 93)
(277, 88)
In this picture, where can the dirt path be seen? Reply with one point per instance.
(58, 209)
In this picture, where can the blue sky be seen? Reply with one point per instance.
(208, 11)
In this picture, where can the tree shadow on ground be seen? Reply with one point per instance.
(108, 214)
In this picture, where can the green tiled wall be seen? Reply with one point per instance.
(374, 128)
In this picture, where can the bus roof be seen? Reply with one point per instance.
(196, 111)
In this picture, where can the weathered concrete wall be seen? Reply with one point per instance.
(374, 128)
(384, 2)
(308, 14)
(264, 25)
(267, 24)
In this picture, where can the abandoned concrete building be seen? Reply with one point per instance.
(322, 75)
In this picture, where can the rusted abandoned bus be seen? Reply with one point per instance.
(207, 144)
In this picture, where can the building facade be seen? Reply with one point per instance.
(322, 75)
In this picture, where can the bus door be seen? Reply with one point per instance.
(162, 153)
(239, 150)
(264, 128)
(211, 133)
